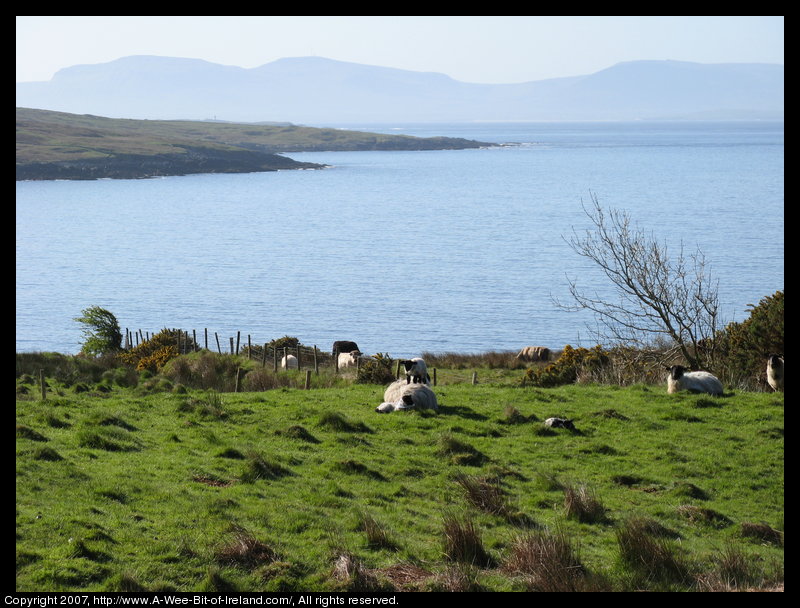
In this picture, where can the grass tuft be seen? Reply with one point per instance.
(243, 550)
(651, 556)
(581, 503)
(462, 542)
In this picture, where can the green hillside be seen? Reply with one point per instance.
(133, 489)
(57, 145)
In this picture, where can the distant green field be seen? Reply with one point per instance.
(293, 489)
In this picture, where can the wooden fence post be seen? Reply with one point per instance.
(219, 348)
(231, 344)
(205, 330)
(236, 386)
(474, 377)
(298, 357)
(275, 359)
(316, 363)
(264, 356)
(238, 336)
(308, 379)
(194, 341)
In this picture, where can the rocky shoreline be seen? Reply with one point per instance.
(134, 166)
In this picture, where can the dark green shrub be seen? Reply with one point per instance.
(101, 331)
(743, 347)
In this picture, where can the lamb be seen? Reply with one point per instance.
(775, 372)
(289, 362)
(560, 423)
(534, 353)
(696, 382)
(402, 396)
(348, 359)
(416, 371)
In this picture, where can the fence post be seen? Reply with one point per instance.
(205, 330)
(474, 377)
(264, 356)
(316, 364)
(238, 336)
(194, 340)
(336, 362)
(219, 348)
(249, 348)
(275, 359)
(308, 379)
(43, 384)
(298, 357)
(236, 386)
(231, 344)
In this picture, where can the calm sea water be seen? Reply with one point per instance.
(403, 252)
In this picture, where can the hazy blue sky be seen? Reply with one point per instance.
(489, 49)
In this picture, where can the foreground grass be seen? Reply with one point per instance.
(312, 490)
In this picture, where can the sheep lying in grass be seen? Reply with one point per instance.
(402, 396)
(289, 362)
(348, 359)
(416, 371)
(696, 382)
(775, 372)
(560, 423)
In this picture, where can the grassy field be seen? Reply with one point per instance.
(293, 489)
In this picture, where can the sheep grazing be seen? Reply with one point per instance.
(775, 372)
(402, 396)
(534, 353)
(348, 359)
(696, 382)
(289, 362)
(344, 346)
(560, 423)
(416, 371)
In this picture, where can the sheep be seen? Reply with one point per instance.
(289, 362)
(348, 359)
(775, 372)
(697, 382)
(534, 353)
(560, 423)
(344, 346)
(402, 396)
(416, 371)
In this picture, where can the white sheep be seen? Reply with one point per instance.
(348, 359)
(289, 362)
(696, 382)
(402, 396)
(416, 371)
(775, 372)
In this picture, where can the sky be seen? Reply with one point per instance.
(476, 49)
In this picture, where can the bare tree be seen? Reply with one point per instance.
(659, 295)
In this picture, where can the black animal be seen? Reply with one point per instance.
(343, 346)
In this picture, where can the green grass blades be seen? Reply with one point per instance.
(292, 489)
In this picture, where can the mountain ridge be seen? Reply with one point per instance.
(317, 90)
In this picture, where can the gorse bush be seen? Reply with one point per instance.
(567, 368)
(153, 354)
(376, 370)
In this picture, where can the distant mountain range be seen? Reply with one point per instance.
(314, 90)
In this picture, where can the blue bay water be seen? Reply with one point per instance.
(403, 252)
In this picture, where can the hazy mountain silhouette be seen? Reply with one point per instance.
(314, 90)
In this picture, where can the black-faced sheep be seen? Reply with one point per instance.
(289, 362)
(696, 382)
(534, 353)
(402, 396)
(775, 372)
(344, 346)
(416, 371)
(348, 359)
(560, 423)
